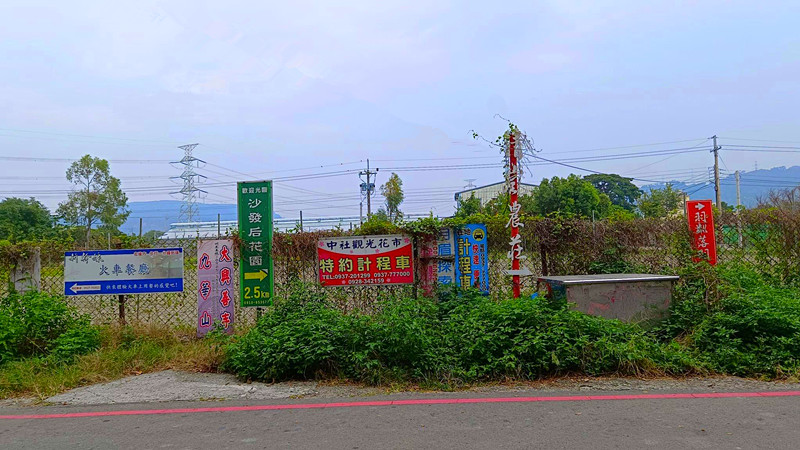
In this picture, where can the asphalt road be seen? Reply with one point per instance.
(570, 422)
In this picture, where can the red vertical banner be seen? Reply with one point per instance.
(512, 179)
(701, 224)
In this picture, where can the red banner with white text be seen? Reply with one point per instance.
(701, 224)
(365, 260)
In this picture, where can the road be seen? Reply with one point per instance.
(526, 419)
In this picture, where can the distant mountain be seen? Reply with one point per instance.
(158, 215)
(754, 185)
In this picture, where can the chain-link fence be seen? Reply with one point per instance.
(769, 240)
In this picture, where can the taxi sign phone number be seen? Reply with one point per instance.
(366, 278)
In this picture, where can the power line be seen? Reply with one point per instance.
(255, 174)
(629, 146)
(754, 150)
(760, 140)
(86, 136)
(588, 170)
(47, 159)
(764, 146)
(138, 144)
(662, 160)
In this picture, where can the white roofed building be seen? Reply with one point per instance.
(491, 191)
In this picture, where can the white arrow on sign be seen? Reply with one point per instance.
(87, 287)
(699, 205)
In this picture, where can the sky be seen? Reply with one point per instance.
(273, 90)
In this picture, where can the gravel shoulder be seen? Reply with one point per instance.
(170, 385)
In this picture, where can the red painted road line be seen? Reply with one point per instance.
(423, 401)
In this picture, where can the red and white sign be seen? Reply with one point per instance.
(365, 260)
(701, 224)
(514, 155)
(215, 295)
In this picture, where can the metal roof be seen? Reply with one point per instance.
(455, 196)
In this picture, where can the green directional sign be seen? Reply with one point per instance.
(256, 283)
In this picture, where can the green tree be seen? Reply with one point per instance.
(392, 192)
(567, 196)
(620, 190)
(378, 223)
(498, 206)
(98, 199)
(380, 216)
(660, 202)
(22, 219)
(468, 207)
(152, 235)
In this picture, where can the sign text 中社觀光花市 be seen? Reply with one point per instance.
(365, 260)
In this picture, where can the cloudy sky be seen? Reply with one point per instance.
(282, 89)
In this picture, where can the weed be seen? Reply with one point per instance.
(122, 351)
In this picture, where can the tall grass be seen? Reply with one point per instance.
(123, 351)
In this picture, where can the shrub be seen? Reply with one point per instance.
(754, 329)
(459, 339)
(37, 324)
(530, 338)
(728, 319)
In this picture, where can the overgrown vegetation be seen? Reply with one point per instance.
(751, 329)
(42, 325)
(122, 351)
(726, 320)
(46, 347)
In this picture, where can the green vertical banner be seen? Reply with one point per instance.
(256, 281)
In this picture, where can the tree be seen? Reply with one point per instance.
(620, 190)
(152, 235)
(570, 196)
(787, 200)
(380, 216)
(497, 206)
(98, 199)
(660, 202)
(392, 191)
(22, 219)
(468, 207)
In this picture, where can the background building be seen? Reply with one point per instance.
(491, 191)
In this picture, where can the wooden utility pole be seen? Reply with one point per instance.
(716, 174)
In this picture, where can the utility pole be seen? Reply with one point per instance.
(738, 205)
(738, 190)
(367, 187)
(716, 174)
